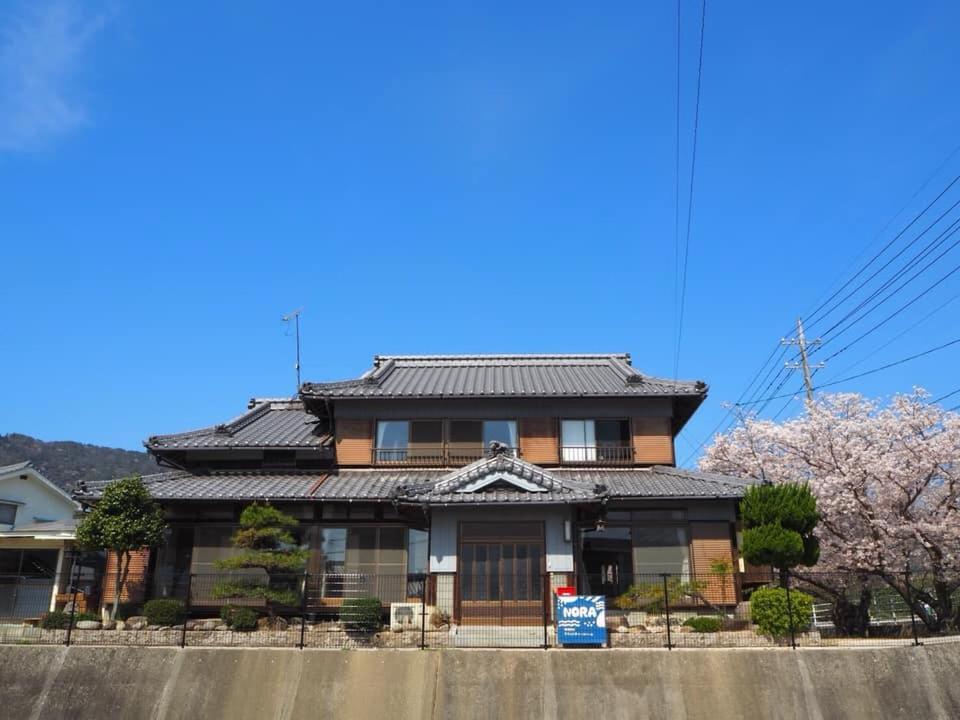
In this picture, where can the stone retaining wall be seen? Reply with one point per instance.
(170, 683)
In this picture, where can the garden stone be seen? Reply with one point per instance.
(108, 625)
(222, 626)
(207, 624)
(623, 629)
(88, 625)
(275, 623)
(137, 622)
(120, 625)
(192, 624)
(154, 627)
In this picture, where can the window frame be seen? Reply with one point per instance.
(10, 505)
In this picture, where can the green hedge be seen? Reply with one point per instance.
(164, 611)
(361, 614)
(769, 610)
(239, 618)
(59, 620)
(704, 623)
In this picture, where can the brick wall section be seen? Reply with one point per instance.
(652, 441)
(710, 541)
(135, 589)
(538, 440)
(354, 440)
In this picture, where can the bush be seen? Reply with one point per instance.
(361, 614)
(769, 610)
(59, 620)
(128, 610)
(164, 611)
(239, 618)
(704, 623)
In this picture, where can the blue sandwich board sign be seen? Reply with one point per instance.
(581, 619)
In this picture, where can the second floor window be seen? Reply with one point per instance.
(8, 513)
(588, 441)
(463, 441)
(409, 440)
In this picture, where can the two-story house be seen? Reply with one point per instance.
(494, 477)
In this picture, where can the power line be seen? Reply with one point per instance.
(929, 248)
(812, 318)
(693, 169)
(916, 193)
(756, 375)
(676, 196)
(864, 374)
(944, 397)
(891, 315)
(899, 335)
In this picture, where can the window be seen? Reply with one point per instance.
(403, 440)
(8, 513)
(661, 549)
(417, 552)
(593, 440)
(469, 439)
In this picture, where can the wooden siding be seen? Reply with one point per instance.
(135, 588)
(354, 442)
(538, 440)
(652, 441)
(710, 542)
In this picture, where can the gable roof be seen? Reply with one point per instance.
(26, 468)
(281, 423)
(500, 478)
(426, 376)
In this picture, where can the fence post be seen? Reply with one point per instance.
(423, 612)
(303, 608)
(186, 611)
(547, 597)
(75, 572)
(666, 607)
(786, 584)
(913, 615)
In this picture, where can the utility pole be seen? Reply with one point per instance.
(295, 316)
(804, 363)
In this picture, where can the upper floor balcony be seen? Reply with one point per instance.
(547, 441)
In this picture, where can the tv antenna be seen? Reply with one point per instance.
(295, 316)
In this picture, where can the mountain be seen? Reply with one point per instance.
(66, 463)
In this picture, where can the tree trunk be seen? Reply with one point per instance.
(849, 617)
(123, 566)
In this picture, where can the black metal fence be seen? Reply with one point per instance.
(490, 609)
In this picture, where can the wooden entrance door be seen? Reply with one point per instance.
(501, 574)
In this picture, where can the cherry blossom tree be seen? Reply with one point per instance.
(887, 482)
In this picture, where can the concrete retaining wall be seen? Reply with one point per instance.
(168, 683)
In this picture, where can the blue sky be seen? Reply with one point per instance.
(448, 177)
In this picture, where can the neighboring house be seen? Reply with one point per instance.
(495, 477)
(37, 526)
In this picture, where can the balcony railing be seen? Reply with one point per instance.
(596, 455)
(439, 455)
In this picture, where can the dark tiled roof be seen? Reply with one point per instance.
(659, 481)
(269, 423)
(364, 484)
(414, 376)
(438, 486)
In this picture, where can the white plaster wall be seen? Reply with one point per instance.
(443, 542)
(40, 502)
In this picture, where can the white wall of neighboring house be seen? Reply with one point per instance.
(39, 501)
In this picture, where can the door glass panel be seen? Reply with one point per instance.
(494, 572)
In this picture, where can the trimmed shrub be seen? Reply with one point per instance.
(769, 610)
(59, 620)
(361, 614)
(704, 623)
(164, 611)
(239, 618)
